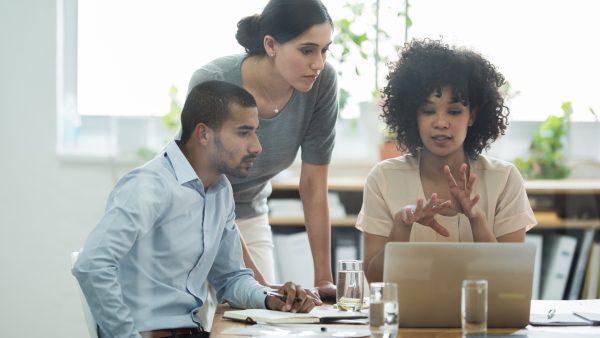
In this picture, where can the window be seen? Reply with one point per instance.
(545, 49)
(121, 57)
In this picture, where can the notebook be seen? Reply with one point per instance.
(320, 314)
(430, 275)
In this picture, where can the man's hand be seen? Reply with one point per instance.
(294, 299)
(312, 293)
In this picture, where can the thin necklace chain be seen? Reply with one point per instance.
(274, 104)
(265, 92)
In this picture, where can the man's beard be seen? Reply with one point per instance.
(222, 166)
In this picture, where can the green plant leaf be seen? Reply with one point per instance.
(546, 159)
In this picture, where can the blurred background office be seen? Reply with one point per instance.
(84, 86)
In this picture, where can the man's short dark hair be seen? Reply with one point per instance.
(209, 103)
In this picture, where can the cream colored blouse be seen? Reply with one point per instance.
(395, 183)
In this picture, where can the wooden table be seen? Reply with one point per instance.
(220, 324)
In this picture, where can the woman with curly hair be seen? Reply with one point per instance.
(444, 106)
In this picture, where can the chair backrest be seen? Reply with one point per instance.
(87, 313)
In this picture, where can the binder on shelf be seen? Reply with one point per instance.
(336, 208)
(580, 264)
(556, 264)
(537, 240)
(591, 287)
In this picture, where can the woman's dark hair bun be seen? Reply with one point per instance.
(248, 32)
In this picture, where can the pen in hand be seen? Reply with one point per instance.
(280, 296)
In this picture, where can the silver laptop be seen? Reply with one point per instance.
(430, 275)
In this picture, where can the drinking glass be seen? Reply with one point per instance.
(474, 306)
(383, 310)
(349, 293)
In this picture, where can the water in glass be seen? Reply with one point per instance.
(383, 319)
(350, 290)
(383, 310)
(474, 306)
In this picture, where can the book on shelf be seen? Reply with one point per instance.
(581, 262)
(556, 265)
(322, 314)
(285, 207)
(292, 207)
(538, 241)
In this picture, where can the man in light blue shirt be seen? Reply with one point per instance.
(169, 229)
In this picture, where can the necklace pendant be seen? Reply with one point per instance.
(276, 111)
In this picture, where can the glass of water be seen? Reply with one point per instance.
(383, 310)
(350, 281)
(474, 306)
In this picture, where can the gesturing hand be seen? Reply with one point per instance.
(462, 190)
(423, 213)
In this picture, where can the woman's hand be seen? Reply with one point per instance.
(326, 290)
(295, 299)
(461, 192)
(423, 213)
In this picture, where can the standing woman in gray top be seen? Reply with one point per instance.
(295, 89)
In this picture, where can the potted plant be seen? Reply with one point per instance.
(358, 43)
(547, 158)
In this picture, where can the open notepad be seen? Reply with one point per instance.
(565, 312)
(317, 315)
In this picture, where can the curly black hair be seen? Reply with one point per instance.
(428, 65)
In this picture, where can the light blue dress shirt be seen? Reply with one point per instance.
(145, 266)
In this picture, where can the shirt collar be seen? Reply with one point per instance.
(184, 171)
(182, 167)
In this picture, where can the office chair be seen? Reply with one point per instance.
(87, 313)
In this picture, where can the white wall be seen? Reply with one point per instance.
(46, 206)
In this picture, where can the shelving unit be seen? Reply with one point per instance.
(570, 207)
(555, 202)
